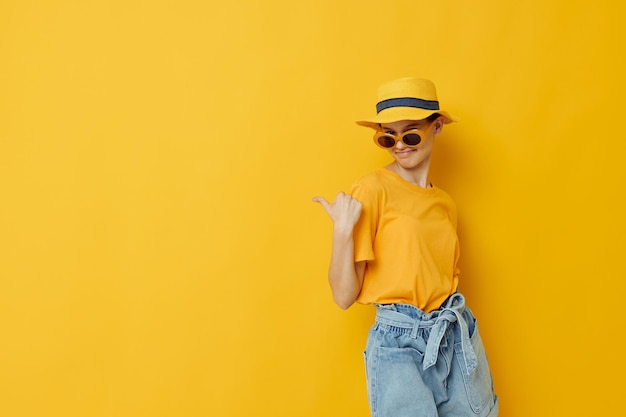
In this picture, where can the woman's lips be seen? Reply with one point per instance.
(405, 152)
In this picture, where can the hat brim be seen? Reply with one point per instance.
(396, 114)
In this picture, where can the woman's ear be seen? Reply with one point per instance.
(438, 125)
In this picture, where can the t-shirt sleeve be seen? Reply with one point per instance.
(454, 220)
(365, 229)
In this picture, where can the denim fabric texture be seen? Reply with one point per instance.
(428, 364)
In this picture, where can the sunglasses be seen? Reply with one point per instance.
(412, 138)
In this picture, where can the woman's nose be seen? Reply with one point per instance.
(400, 144)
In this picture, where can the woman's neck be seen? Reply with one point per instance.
(417, 176)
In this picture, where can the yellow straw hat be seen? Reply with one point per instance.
(406, 99)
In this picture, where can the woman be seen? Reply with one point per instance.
(395, 246)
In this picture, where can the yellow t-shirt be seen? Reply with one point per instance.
(407, 235)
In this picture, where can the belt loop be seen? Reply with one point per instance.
(416, 326)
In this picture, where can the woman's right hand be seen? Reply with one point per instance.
(344, 211)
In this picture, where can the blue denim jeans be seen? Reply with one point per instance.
(428, 364)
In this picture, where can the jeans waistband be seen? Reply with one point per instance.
(450, 313)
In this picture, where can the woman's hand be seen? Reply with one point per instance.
(344, 211)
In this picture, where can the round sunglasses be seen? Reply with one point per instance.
(412, 138)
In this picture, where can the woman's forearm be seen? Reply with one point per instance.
(344, 276)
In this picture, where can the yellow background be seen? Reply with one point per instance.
(159, 252)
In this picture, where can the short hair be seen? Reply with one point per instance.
(433, 117)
